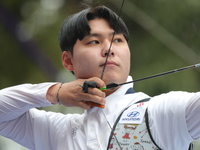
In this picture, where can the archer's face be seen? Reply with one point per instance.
(89, 54)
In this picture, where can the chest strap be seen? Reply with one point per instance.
(126, 136)
(131, 136)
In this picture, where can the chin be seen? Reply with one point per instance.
(112, 79)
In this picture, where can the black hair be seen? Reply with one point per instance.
(77, 27)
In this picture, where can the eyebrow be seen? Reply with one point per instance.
(99, 35)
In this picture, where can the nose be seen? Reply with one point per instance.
(108, 50)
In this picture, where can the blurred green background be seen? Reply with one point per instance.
(165, 35)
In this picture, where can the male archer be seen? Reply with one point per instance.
(85, 39)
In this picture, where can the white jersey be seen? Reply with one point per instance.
(174, 119)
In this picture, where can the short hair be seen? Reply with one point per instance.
(76, 26)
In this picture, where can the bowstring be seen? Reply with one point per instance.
(108, 53)
(104, 67)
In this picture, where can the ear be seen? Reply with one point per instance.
(67, 60)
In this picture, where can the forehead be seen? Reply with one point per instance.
(100, 25)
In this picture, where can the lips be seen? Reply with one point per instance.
(110, 63)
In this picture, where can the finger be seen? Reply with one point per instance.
(93, 94)
(93, 98)
(99, 83)
(89, 104)
(97, 92)
(84, 105)
(95, 104)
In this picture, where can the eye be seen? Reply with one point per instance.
(93, 42)
(117, 40)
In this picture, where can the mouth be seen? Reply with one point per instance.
(109, 63)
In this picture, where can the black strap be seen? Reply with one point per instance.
(191, 146)
(148, 128)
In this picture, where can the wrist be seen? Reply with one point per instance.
(53, 93)
(57, 94)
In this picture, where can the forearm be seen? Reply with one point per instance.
(16, 100)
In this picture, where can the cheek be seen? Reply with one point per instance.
(125, 56)
(81, 63)
(86, 59)
(126, 63)
(85, 65)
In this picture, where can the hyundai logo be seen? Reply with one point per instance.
(133, 114)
